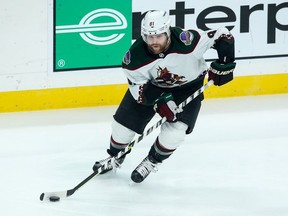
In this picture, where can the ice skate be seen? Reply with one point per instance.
(112, 165)
(148, 165)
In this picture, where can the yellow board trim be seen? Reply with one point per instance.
(251, 86)
(88, 96)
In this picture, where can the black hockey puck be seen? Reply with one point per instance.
(54, 198)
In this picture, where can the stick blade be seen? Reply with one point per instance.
(61, 194)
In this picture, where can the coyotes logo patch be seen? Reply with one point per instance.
(167, 78)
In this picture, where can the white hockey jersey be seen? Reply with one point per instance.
(180, 64)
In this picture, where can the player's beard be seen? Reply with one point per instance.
(157, 48)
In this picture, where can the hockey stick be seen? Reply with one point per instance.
(161, 121)
(63, 194)
(55, 196)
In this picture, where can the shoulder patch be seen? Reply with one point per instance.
(127, 58)
(186, 37)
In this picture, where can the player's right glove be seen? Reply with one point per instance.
(166, 107)
(221, 73)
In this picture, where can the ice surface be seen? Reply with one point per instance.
(234, 164)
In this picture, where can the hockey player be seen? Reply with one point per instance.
(163, 68)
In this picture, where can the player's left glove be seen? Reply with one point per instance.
(221, 73)
(166, 107)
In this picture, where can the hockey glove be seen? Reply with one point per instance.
(166, 107)
(221, 73)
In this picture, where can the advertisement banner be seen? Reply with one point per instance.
(91, 34)
(260, 28)
(96, 34)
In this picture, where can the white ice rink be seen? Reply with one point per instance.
(235, 163)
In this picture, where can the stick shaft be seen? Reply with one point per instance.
(160, 122)
(67, 193)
